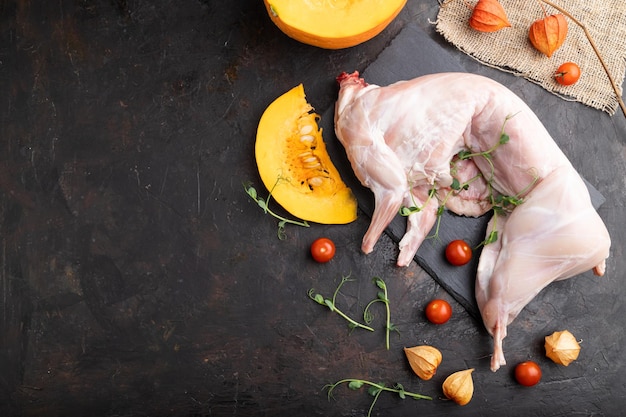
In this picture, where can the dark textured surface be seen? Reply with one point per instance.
(138, 278)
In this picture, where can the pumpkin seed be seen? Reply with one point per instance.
(306, 129)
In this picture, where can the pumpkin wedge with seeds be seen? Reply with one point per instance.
(295, 166)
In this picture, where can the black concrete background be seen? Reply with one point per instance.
(138, 278)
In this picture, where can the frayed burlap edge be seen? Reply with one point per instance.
(510, 50)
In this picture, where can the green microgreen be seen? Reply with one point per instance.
(332, 304)
(264, 204)
(500, 204)
(455, 188)
(415, 208)
(493, 234)
(504, 138)
(374, 389)
(382, 297)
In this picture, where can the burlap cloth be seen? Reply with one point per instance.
(510, 50)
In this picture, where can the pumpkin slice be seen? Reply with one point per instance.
(333, 24)
(295, 166)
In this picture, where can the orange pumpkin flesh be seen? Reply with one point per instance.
(295, 166)
(333, 24)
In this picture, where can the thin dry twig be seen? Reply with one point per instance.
(595, 49)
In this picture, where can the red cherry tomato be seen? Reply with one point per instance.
(567, 74)
(458, 252)
(528, 373)
(323, 250)
(438, 311)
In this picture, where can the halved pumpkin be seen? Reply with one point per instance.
(333, 24)
(295, 166)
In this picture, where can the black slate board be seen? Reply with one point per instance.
(411, 54)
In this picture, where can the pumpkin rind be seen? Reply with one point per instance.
(333, 24)
(295, 166)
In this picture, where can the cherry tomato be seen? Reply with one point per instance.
(438, 311)
(458, 252)
(567, 74)
(527, 373)
(323, 249)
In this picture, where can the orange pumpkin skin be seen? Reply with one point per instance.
(337, 27)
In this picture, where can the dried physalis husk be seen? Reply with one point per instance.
(459, 387)
(424, 360)
(548, 34)
(488, 16)
(562, 347)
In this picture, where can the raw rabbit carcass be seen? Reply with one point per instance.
(404, 142)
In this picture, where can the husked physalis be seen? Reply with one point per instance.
(548, 34)
(459, 387)
(562, 347)
(424, 360)
(488, 16)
